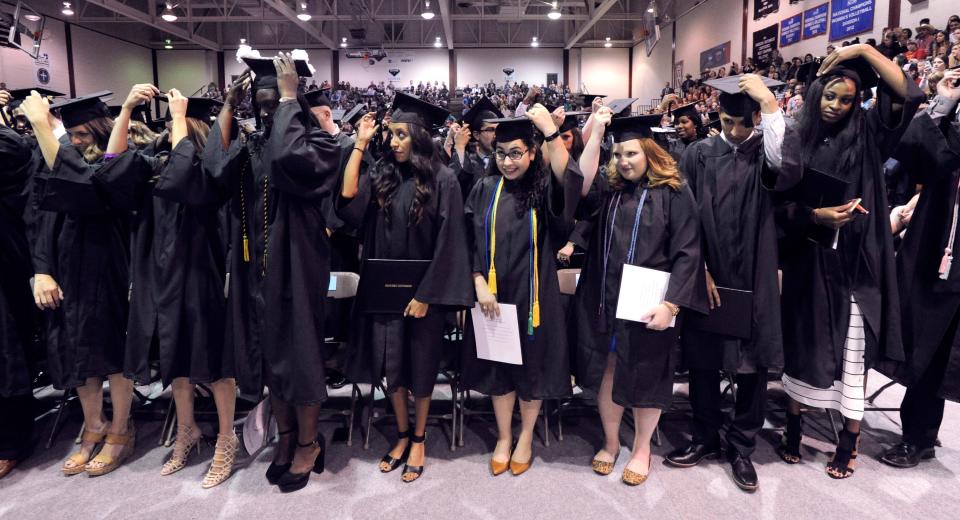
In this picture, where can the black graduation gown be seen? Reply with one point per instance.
(468, 171)
(178, 265)
(677, 146)
(739, 243)
(931, 156)
(18, 314)
(275, 311)
(819, 281)
(85, 245)
(545, 372)
(668, 240)
(409, 351)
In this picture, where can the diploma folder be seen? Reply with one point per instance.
(821, 190)
(734, 316)
(387, 286)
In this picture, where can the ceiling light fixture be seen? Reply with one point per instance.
(554, 13)
(427, 14)
(167, 44)
(243, 41)
(437, 43)
(168, 15)
(607, 43)
(33, 17)
(302, 13)
(343, 42)
(67, 9)
(534, 42)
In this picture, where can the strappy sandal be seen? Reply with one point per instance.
(275, 471)
(223, 458)
(103, 463)
(388, 463)
(789, 448)
(411, 473)
(182, 448)
(841, 466)
(77, 463)
(291, 482)
(602, 467)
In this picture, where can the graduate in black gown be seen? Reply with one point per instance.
(18, 315)
(643, 214)
(408, 206)
(929, 279)
(178, 270)
(732, 176)
(278, 178)
(516, 220)
(840, 305)
(81, 262)
(689, 127)
(471, 165)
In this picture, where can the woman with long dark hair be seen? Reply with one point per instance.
(279, 178)
(81, 262)
(409, 207)
(643, 215)
(178, 270)
(841, 312)
(516, 219)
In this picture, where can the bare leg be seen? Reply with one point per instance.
(91, 401)
(529, 413)
(645, 421)
(306, 453)
(398, 399)
(225, 396)
(286, 421)
(183, 398)
(121, 397)
(503, 411)
(610, 414)
(418, 449)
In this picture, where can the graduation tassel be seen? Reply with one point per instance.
(530, 324)
(535, 314)
(945, 263)
(246, 249)
(492, 280)
(492, 219)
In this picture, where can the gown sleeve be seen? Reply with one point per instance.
(15, 157)
(473, 209)
(183, 179)
(686, 288)
(564, 200)
(354, 211)
(892, 116)
(447, 281)
(124, 181)
(922, 148)
(223, 166)
(68, 187)
(790, 171)
(305, 160)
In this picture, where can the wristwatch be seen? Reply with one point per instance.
(287, 99)
(552, 136)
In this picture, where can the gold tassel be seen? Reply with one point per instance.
(246, 249)
(492, 280)
(536, 314)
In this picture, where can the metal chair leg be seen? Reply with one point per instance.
(460, 403)
(58, 418)
(354, 396)
(454, 388)
(833, 424)
(165, 429)
(560, 421)
(546, 423)
(369, 411)
(657, 441)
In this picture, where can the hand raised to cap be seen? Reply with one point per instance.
(287, 78)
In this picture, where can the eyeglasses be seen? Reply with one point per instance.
(490, 130)
(514, 155)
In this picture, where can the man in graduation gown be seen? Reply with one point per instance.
(18, 315)
(470, 166)
(279, 262)
(929, 284)
(730, 175)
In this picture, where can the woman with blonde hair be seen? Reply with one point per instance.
(644, 215)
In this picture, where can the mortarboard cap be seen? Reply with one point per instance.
(81, 110)
(337, 114)
(734, 102)
(621, 107)
(18, 95)
(140, 113)
(689, 111)
(202, 108)
(266, 72)
(317, 98)
(571, 120)
(355, 114)
(588, 98)
(411, 109)
(481, 110)
(512, 128)
(633, 127)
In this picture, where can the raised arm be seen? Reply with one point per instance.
(37, 110)
(559, 156)
(140, 94)
(366, 129)
(590, 158)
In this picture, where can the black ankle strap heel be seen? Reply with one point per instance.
(417, 471)
(275, 471)
(389, 463)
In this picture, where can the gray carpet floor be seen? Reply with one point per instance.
(458, 485)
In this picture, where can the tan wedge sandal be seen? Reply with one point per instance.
(103, 463)
(223, 458)
(188, 438)
(77, 463)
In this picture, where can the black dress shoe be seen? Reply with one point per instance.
(335, 378)
(906, 455)
(691, 455)
(744, 476)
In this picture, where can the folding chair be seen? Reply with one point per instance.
(343, 286)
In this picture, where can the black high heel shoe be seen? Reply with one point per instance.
(290, 482)
(391, 462)
(275, 471)
(413, 470)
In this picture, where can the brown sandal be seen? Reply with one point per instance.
(77, 463)
(103, 463)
